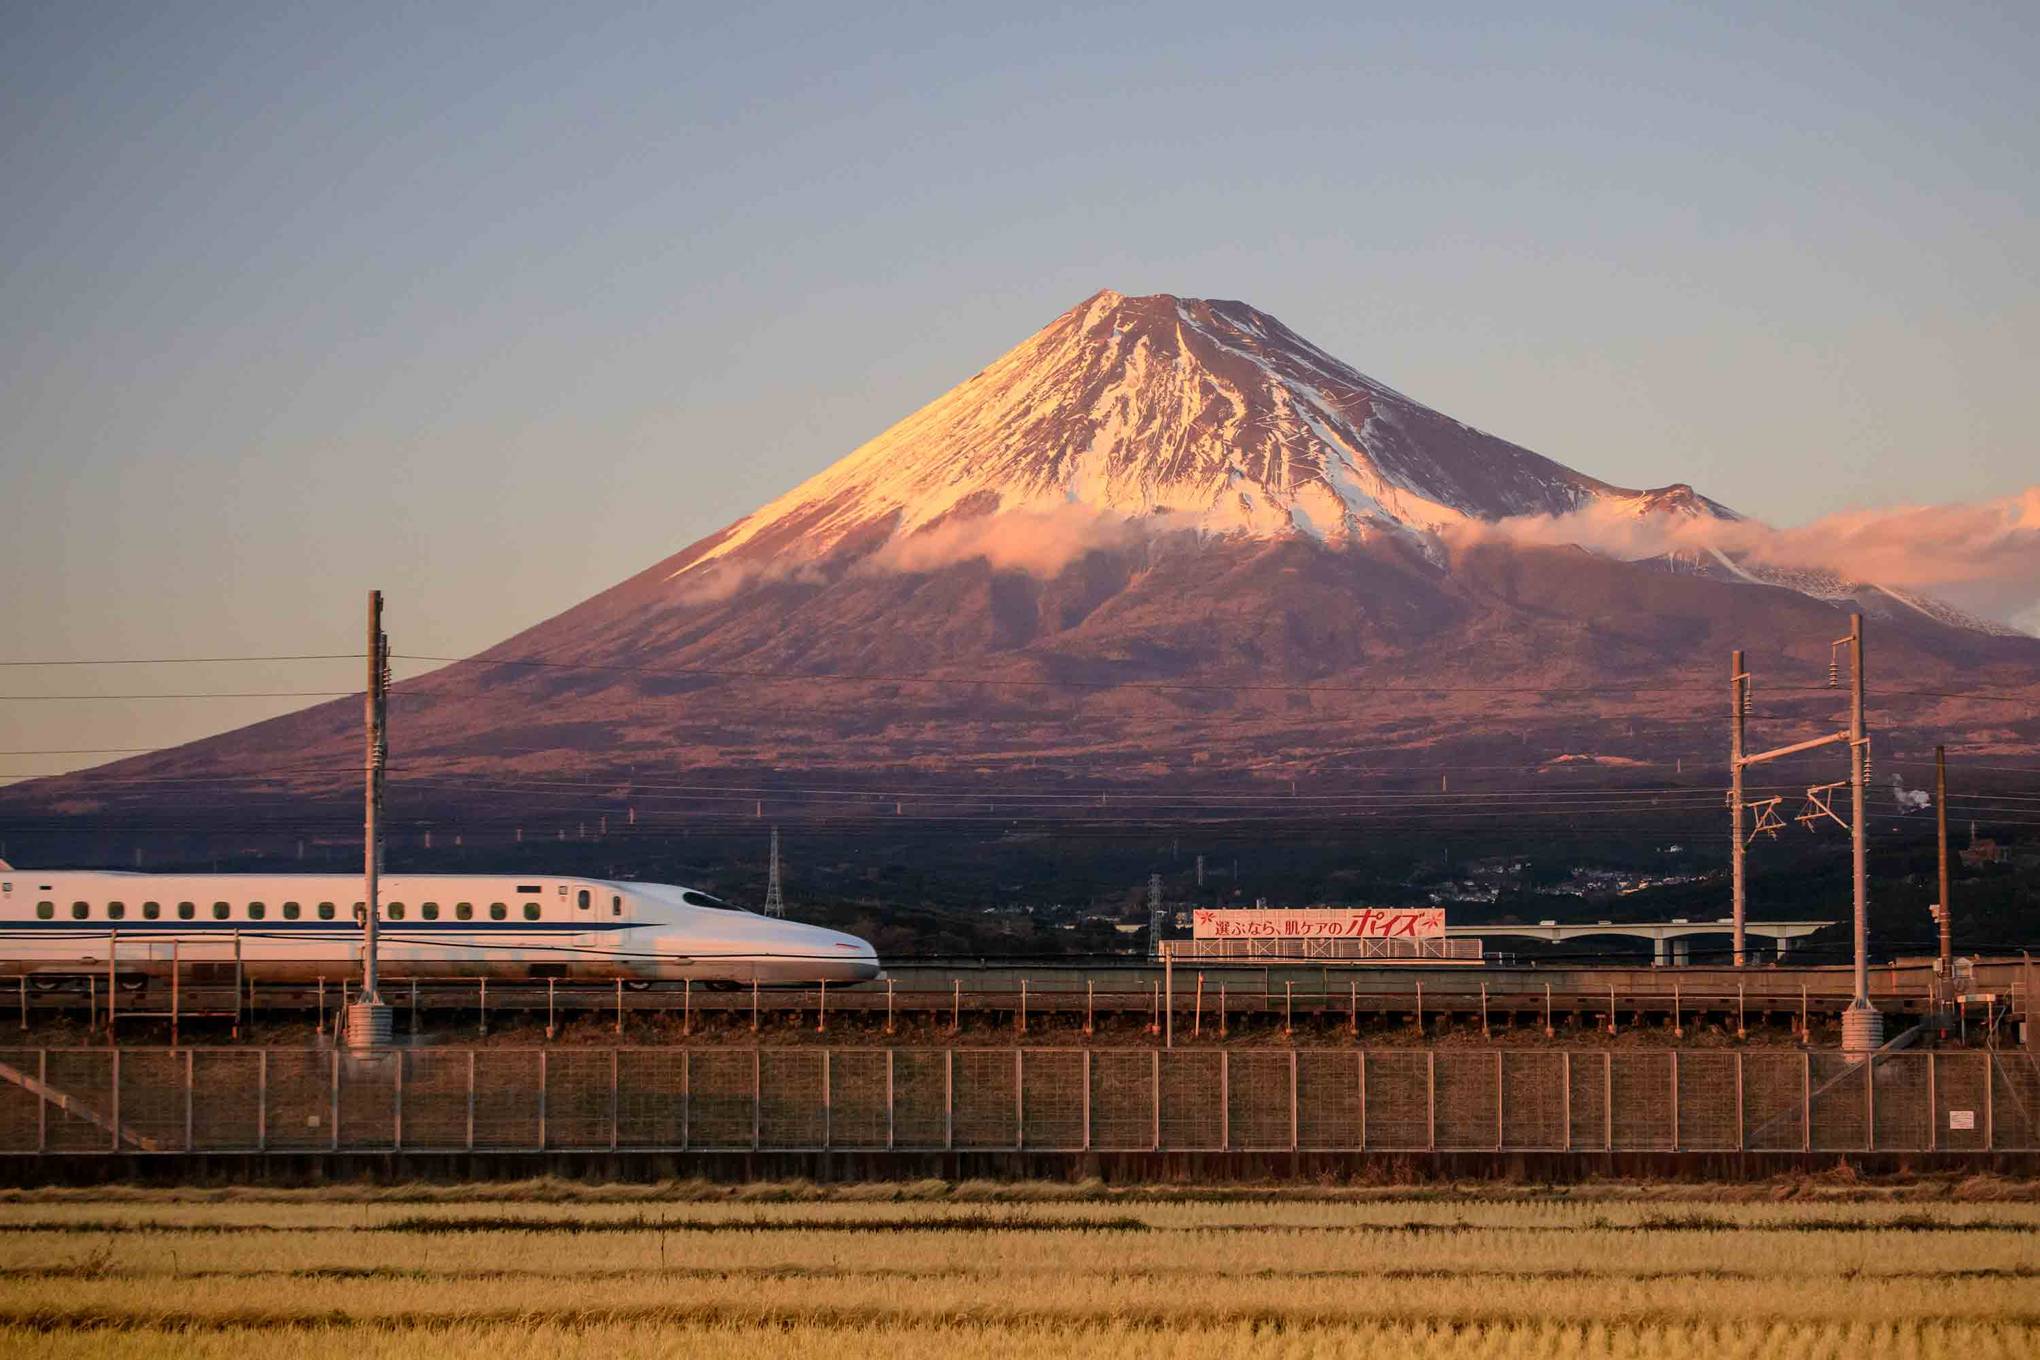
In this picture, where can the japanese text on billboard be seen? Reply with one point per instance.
(1320, 923)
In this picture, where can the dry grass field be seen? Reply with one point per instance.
(928, 1271)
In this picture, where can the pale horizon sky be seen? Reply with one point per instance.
(493, 306)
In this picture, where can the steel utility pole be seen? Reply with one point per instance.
(1862, 1026)
(1943, 912)
(1738, 709)
(368, 1019)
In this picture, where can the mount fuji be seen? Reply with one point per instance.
(1163, 538)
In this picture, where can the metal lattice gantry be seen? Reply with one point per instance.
(1862, 1026)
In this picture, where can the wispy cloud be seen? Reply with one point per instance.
(1983, 555)
(1040, 542)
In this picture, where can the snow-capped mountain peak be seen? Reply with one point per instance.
(1210, 413)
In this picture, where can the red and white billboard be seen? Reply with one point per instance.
(1320, 923)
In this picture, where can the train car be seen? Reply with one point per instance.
(58, 925)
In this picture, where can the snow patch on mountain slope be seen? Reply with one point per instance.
(1210, 413)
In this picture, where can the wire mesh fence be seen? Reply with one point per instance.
(1049, 1099)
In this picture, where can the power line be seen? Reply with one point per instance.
(185, 660)
(189, 694)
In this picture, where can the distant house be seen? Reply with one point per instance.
(1982, 852)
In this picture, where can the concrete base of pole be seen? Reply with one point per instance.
(1862, 1030)
(370, 1024)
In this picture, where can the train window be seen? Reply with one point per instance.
(151, 910)
(219, 911)
(78, 910)
(45, 910)
(185, 911)
(616, 904)
(529, 888)
(396, 911)
(430, 911)
(583, 900)
(465, 911)
(291, 910)
(497, 911)
(256, 911)
(531, 911)
(115, 910)
(325, 911)
(361, 913)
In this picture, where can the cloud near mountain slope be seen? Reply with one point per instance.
(1983, 555)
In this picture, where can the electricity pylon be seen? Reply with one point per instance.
(775, 900)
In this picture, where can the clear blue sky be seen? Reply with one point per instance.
(491, 306)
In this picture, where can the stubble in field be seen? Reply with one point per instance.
(604, 1275)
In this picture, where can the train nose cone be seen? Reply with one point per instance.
(859, 959)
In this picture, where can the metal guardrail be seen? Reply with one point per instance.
(209, 1100)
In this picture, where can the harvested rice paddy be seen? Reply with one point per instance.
(942, 1273)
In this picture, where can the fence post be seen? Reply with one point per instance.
(1225, 1099)
(1869, 1104)
(1805, 1100)
(1565, 1095)
(1739, 1118)
(333, 1096)
(1155, 1094)
(1499, 1088)
(1360, 1081)
(1933, 1105)
(1087, 1099)
(113, 1101)
(471, 1100)
(615, 1099)
(1292, 1101)
(686, 1098)
(1675, 1100)
(42, 1100)
(948, 1098)
(1431, 1100)
(1989, 1100)
(544, 1080)
(262, 1100)
(1019, 1100)
(397, 1100)
(757, 1085)
(1607, 1101)
(828, 1099)
(188, 1111)
(889, 1118)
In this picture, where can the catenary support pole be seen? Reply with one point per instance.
(368, 1019)
(1738, 709)
(1862, 1026)
(1947, 908)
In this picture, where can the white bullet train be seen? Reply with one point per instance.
(59, 923)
